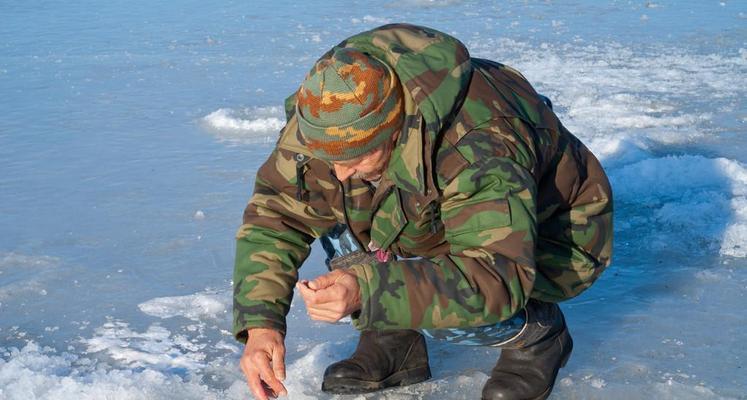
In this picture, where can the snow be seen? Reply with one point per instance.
(155, 347)
(36, 372)
(195, 307)
(245, 125)
(710, 191)
(130, 137)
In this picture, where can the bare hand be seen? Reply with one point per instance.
(332, 296)
(263, 363)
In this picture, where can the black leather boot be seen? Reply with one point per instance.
(529, 362)
(382, 359)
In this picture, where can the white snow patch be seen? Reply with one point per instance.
(694, 197)
(197, 307)
(370, 19)
(35, 372)
(612, 96)
(303, 380)
(157, 347)
(597, 383)
(245, 126)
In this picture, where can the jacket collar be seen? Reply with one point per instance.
(406, 168)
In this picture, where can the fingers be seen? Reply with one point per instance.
(331, 307)
(311, 296)
(326, 315)
(331, 293)
(268, 376)
(332, 302)
(306, 293)
(253, 380)
(278, 362)
(326, 280)
(263, 362)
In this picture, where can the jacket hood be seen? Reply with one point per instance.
(433, 67)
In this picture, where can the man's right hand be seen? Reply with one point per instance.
(263, 363)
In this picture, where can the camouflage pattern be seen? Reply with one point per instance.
(489, 196)
(348, 105)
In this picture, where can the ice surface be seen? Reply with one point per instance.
(21, 274)
(130, 136)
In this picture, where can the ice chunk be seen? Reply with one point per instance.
(245, 126)
(199, 306)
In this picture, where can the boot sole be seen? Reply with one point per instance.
(357, 386)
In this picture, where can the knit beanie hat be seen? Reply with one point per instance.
(348, 105)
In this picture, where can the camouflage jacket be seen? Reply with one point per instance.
(489, 196)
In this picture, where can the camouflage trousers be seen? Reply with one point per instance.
(488, 335)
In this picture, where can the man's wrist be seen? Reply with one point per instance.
(356, 304)
(263, 331)
(244, 322)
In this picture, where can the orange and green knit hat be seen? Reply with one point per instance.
(348, 105)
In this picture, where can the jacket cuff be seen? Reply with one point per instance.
(381, 307)
(362, 318)
(240, 330)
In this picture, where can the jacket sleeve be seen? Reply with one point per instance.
(489, 216)
(273, 242)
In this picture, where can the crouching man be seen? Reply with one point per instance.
(453, 202)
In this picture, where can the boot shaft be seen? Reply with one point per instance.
(543, 321)
(396, 349)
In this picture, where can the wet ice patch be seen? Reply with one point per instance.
(16, 260)
(596, 388)
(425, 3)
(199, 306)
(23, 275)
(245, 125)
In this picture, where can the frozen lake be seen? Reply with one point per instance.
(130, 133)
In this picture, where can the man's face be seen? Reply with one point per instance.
(369, 166)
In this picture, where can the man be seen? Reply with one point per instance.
(478, 209)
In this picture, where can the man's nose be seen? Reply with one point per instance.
(343, 172)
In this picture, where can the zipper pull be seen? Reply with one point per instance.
(300, 158)
(434, 207)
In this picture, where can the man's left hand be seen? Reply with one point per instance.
(332, 296)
